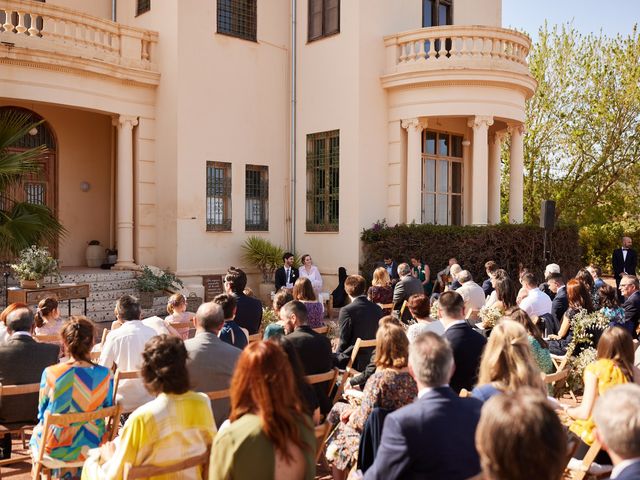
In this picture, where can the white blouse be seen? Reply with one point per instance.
(313, 276)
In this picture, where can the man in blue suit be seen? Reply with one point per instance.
(617, 418)
(434, 436)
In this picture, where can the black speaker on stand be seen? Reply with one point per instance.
(548, 222)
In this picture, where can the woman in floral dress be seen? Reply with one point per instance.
(390, 387)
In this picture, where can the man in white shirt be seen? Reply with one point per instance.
(617, 418)
(536, 302)
(123, 347)
(471, 292)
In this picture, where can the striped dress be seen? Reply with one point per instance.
(72, 389)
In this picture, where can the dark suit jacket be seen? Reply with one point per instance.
(544, 287)
(211, 364)
(22, 361)
(487, 287)
(281, 277)
(632, 472)
(394, 270)
(619, 265)
(631, 308)
(467, 346)
(248, 313)
(359, 319)
(316, 356)
(431, 438)
(560, 303)
(406, 287)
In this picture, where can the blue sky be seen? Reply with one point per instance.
(588, 15)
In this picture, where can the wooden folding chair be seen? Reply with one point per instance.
(322, 433)
(105, 332)
(17, 428)
(561, 362)
(148, 471)
(579, 470)
(218, 394)
(321, 330)
(256, 337)
(387, 307)
(44, 463)
(349, 371)
(123, 375)
(331, 376)
(48, 339)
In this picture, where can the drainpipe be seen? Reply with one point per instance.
(292, 134)
(113, 10)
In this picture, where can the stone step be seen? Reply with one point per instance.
(97, 276)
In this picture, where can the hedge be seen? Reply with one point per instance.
(510, 246)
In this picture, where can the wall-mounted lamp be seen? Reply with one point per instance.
(33, 132)
(85, 186)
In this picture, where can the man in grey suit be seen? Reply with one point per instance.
(407, 286)
(22, 361)
(211, 361)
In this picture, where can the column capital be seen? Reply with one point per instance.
(417, 123)
(125, 121)
(516, 128)
(480, 121)
(498, 136)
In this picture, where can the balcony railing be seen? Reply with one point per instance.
(456, 47)
(70, 32)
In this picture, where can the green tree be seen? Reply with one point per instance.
(582, 141)
(21, 224)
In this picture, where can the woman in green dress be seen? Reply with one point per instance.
(421, 271)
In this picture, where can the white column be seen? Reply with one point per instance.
(124, 192)
(480, 169)
(516, 177)
(495, 145)
(414, 168)
(466, 192)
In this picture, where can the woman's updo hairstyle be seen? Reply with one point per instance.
(164, 365)
(77, 336)
(45, 308)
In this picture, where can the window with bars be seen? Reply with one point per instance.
(238, 18)
(324, 18)
(35, 193)
(256, 207)
(218, 196)
(441, 178)
(323, 181)
(436, 13)
(143, 6)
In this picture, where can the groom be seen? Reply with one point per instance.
(286, 275)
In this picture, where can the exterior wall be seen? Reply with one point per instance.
(474, 12)
(83, 154)
(97, 8)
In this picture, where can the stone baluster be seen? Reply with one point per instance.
(411, 57)
(20, 28)
(33, 27)
(443, 48)
(421, 53)
(8, 26)
(403, 53)
(432, 48)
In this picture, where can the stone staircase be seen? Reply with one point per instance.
(106, 287)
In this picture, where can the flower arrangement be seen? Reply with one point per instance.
(489, 317)
(584, 324)
(35, 263)
(577, 365)
(435, 311)
(268, 317)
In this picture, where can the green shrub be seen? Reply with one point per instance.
(150, 281)
(511, 246)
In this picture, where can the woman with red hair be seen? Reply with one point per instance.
(269, 435)
(579, 299)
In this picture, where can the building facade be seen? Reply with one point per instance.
(182, 127)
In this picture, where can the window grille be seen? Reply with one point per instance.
(218, 196)
(143, 6)
(441, 178)
(323, 180)
(324, 18)
(256, 198)
(238, 18)
(35, 193)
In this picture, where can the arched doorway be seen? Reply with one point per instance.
(37, 188)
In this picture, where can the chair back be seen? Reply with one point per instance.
(580, 471)
(148, 471)
(331, 376)
(48, 338)
(123, 375)
(12, 390)
(105, 332)
(218, 394)
(322, 433)
(65, 420)
(182, 325)
(349, 371)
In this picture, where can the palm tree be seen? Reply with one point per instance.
(22, 224)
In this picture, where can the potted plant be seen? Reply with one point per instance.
(266, 257)
(34, 264)
(152, 282)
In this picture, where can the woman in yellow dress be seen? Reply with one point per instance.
(614, 366)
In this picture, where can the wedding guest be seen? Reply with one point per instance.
(579, 299)
(339, 295)
(471, 292)
(380, 291)
(624, 262)
(596, 273)
(61, 387)
(611, 309)
(421, 271)
(280, 299)
(420, 308)
(47, 317)
(536, 303)
(310, 271)
(534, 446)
(269, 435)
(177, 310)
(507, 362)
(304, 292)
(505, 294)
(248, 309)
(231, 332)
(492, 298)
(490, 269)
(539, 346)
(552, 268)
(391, 266)
(630, 289)
(176, 424)
(585, 277)
(4, 333)
(614, 366)
(560, 302)
(407, 286)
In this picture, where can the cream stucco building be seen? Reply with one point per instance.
(179, 128)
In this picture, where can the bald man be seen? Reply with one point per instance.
(624, 261)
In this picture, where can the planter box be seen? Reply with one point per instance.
(146, 298)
